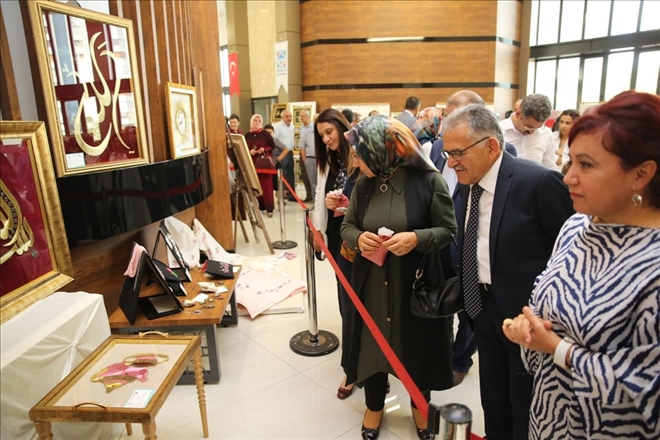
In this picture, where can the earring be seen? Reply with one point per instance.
(637, 200)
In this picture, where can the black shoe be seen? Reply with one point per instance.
(458, 377)
(425, 434)
(308, 199)
(371, 433)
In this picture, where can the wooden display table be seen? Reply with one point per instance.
(79, 399)
(192, 320)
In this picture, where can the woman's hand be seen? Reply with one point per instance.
(531, 332)
(368, 242)
(253, 152)
(332, 200)
(401, 243)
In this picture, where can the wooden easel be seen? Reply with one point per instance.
(251, 206)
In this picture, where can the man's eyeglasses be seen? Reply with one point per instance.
(527, 127)
(458, 154)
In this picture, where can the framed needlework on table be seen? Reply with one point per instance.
(89, 93)
(182, 120)
(33, 243)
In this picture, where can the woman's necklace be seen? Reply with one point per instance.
(383, 186)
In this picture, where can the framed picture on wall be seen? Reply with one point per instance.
(182, 120)
(89, 93)
(276, 112)
(34, 253)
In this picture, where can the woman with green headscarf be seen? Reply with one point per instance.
(400, 190)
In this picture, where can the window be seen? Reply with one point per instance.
(625, 56)
(572, 14)
(549, 22)
(648, 67)
(650, 14)
(568, 74)
(545, 78)
(597, 19)
(625, 14)
(591, 79)
(619, 72)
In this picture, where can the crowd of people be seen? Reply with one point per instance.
(555, 234)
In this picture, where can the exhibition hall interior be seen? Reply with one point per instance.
(183, 252)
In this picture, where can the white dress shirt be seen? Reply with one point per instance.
(285, 133)
(488, 183)
(536, 146)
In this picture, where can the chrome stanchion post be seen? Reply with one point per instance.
(283, 243)
(312, 342)
(451, 422)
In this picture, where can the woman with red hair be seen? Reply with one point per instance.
(591, 333)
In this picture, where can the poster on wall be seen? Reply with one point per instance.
(282, 66)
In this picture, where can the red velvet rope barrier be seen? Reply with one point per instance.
(401, 372)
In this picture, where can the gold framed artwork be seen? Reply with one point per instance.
(297, 110)
(276, 112)
(182, 120)
(245, 163)
(89, 92)
(33, 243)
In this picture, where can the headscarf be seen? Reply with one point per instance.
(385, 143)
(252, 120)
(428, 125)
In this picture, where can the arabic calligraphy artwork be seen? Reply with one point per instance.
(182, 120)
(33, 244)
(91, 92)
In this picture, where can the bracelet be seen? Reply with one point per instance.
(145, 359)
(559, 356)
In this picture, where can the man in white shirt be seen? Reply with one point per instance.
(285, 131)
(526, 130)
(307, 154)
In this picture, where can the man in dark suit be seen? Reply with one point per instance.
(465, 343)
(409, 115)
(513, 210)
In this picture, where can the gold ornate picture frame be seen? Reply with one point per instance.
(245, 163)
(182, 120)
(276, 112)
(34, 253)
(89, 92)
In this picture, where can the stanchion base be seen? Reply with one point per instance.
(301, 343)
(284, 244)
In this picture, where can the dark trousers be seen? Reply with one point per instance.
(506, 387)
(287, 173)
(464, 345)
(375, 390)
(349, 355)
(306, 182)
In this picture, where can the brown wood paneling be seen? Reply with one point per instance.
(9, 105)
(129, 9)
(215, 211)
(156, 95)
(162, 35)
(363, 19)
(398, 63)
(173, 42)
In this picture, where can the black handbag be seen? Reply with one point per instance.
(431, 298)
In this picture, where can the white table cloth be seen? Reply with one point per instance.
(40, 347)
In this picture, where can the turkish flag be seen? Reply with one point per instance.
(234, 82)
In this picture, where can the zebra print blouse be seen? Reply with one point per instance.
(601, 289)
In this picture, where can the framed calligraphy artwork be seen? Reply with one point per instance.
(34, 254)
(182, 120)
(90, 96)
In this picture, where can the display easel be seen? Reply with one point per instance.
(251, 206)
